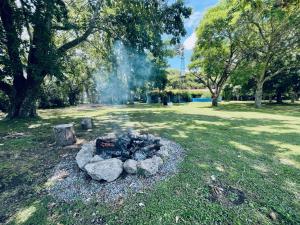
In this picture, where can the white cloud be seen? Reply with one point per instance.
(190, 42)
(194, 20)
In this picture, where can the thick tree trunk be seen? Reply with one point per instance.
(279, 97)
(258, 94)
(23, 103)
(214, 100)
(293, 97)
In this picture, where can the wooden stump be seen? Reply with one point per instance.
(86, 123)
(64, 134)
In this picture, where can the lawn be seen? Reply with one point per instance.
(254, 151)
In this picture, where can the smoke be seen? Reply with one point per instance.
(126, 71)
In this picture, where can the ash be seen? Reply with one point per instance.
(74, 184)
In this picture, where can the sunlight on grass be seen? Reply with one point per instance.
(286, 153)
(24, 214)
(256, 151)
(242, 147)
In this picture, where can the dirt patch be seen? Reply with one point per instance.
(226, 195)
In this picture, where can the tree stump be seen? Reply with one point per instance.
(64, 134)
(86, 123)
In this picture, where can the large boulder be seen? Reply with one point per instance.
(96, 158)
(130, 166)
(85, 155)
(149, 167)
(108, 170)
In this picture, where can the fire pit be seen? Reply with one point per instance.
(109, 156)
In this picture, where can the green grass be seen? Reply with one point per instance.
(256, 151)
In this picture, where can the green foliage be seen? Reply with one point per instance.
(175, 95)
(56, 27)
(216, 55)
(269, 38)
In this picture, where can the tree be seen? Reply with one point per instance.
(283, 85)
(30, 53)
(269, 32)
(38, 34)
(216, 55)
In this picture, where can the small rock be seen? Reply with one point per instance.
(163, 153)
(108, 170)
(141, 204)
(85, 155)
(130, 166)
(213, 178)
(273, 216)
(96, 158)
(86, 123)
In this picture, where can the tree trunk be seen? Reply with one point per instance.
(279, 97)
(270, 98)
(214, 100)
(23, 103)
(258, 94)
(293, 97)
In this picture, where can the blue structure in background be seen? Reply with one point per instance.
(204, 99)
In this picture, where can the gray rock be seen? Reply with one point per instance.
(158, 160)
(86, 123)
(96, 158)
(139, 155)
(130, 166)
(163, 153)
(108, 170)
(147, 167)
(85, 155)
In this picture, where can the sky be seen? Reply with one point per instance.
(199, 7)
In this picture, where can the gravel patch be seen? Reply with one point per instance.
(69, 183)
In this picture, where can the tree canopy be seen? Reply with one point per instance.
(39, 36)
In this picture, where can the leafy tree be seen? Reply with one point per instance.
(283, 84)
(30, 52)
(37, 35)
(216, 55)
(269, 38)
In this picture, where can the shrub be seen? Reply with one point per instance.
(175, 95)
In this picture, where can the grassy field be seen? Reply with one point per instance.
(254, 151)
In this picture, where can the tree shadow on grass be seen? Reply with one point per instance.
(249, 158)
(276, 109)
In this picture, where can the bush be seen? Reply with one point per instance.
(175, 95)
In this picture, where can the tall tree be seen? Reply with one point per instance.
(216, 55)
(30, 52)
(37, 35)
(269, 31)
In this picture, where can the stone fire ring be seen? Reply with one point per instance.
(109, 169)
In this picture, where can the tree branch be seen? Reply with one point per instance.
(65, 47)
(260, 32)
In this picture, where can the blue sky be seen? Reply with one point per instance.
(199, 7)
